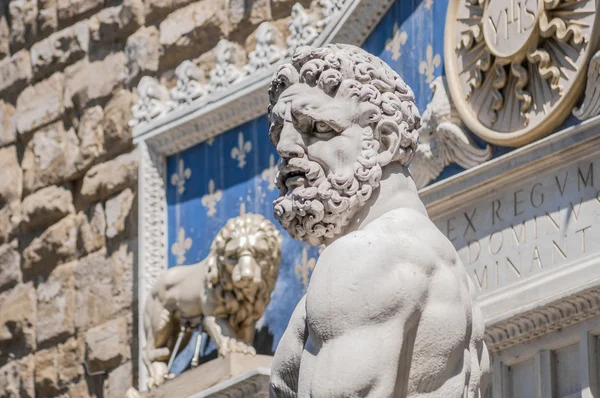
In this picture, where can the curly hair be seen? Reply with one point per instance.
(341, 69)
(241, 312)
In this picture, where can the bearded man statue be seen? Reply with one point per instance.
(389, 311)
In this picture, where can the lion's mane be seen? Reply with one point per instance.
(232, 302)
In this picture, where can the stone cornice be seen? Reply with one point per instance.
(567, 145)
(539, 321)
(208, 116)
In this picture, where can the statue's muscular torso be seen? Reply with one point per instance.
(374, 294)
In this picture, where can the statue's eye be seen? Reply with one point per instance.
(323, 127)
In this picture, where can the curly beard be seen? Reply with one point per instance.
(319, 210)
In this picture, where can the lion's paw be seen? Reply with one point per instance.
(230, 346)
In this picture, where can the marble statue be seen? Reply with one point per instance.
(442, 140)
(389, 310)
(226, 293)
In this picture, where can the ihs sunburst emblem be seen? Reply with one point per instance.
(516, 68)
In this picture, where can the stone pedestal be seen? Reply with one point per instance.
(238, 375)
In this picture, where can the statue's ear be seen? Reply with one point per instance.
(388, 135)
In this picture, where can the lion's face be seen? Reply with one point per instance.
(248, 252)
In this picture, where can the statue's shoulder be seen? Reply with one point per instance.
(410, 234)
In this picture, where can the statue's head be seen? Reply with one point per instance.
(245, 256)
(338, 116)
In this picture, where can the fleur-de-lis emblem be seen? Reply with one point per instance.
(398, 40)
(305, 268)
(269, 173)
(427, 4)
(211, 199)
(428, 66)
(180, 176)
(239, 152)
(181, 246)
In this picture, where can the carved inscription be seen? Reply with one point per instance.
(550, 221)
(508, 25)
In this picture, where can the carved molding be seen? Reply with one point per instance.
(591, 100)
(188, 86)
(153, 205)
(266, 53)
(516, 75)
(153, 101)
(362, 15)
(225, 72)
(302, 33)
(540, 321)
(442, 140)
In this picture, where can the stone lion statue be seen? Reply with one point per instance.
(226, 293)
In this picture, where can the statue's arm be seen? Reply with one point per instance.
(286, 363)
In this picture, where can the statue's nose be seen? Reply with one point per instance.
(245, 268)
(290, 143)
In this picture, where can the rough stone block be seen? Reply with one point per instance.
(17, 378)
(60, 49)
(117, 210)
(17, 320)
(192, 30)
(10, 218)
(10, 266)
(40, 104)
(245, 16)
(46, 372)
(45, 207)
(118, 21)
(117, 113)
(47, 17)
(81, 89)
(107, 345)
(70, 358)
(23, 22)
(50, 157)
(11, 176)
(15, 71)
(118, 381)
(93, 229)
(71, 9)
(4, 34)
(57, 367)
(91, 137)
(110, 177)
(142, 52)
(80, 389)
(57, 244)
(56, 300)
(93, 292)
(8, 125)
(122, 262)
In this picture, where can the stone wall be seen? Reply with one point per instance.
(68, 175)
